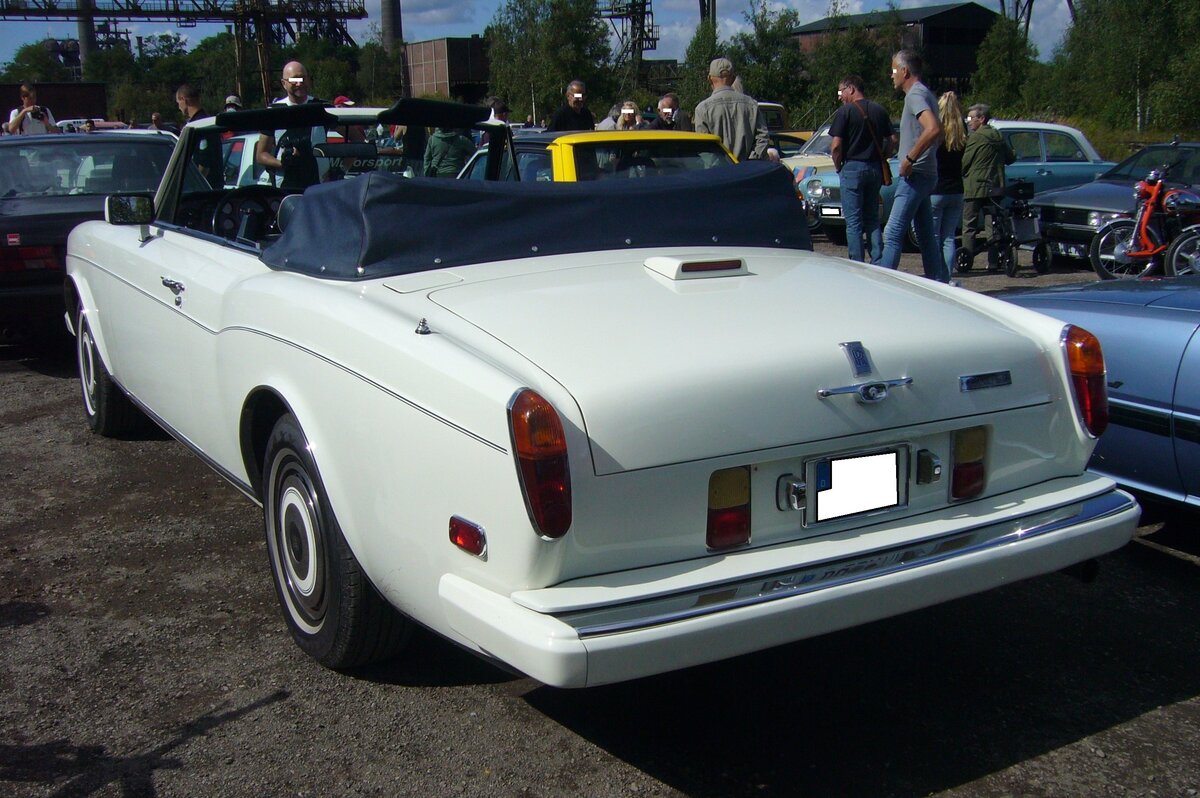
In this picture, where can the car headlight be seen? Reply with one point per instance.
(1098, 219)
(814, 189)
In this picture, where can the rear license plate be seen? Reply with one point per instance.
(857, 483)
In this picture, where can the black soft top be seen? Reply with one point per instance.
(380, 224)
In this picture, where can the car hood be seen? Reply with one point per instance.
(43, 221)
(1100, 195)
(662, 371)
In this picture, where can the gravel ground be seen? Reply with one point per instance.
(142, 653)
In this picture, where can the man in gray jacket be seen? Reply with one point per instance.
(731, 115)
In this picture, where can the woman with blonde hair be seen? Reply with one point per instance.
(631, 118)
(947, 197)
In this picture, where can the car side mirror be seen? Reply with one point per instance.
(129, 209)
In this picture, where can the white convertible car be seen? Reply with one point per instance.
(592, 431)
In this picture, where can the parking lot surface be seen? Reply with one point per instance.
(142, 653)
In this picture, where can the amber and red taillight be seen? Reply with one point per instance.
(1085, 360)
(540, 448)
(968, 473)
(29, 259)
(728, 508)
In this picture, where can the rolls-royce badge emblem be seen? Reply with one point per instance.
(859, 361)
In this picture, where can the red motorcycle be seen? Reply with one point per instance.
(1137, 247)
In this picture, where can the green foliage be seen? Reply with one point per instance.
(852, 50)
(767, 56)
(1004, 62)
(33, 62)
(535, 47)
(693, 86)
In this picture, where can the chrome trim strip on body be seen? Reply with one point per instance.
(812, 577)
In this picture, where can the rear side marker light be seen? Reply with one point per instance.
(468, 536)
(540, 448)
(969, 475)
(1086, 363)
(728, 508)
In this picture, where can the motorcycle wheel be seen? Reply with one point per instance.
(1108, 249)
(1183, 256)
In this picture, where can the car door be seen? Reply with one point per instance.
(1186, 420)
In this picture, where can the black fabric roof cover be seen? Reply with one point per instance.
(381, 224)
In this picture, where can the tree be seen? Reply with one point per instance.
(694, 86)
(536, 46)
(767, 57)
(34, 62)
(852, 50)
(1004, 60)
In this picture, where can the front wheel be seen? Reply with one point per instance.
(1109, 250)
(334, 612)
(109, 412)
(1183, 256)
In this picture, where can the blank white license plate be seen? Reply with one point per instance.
(855, 484)
(830, 211)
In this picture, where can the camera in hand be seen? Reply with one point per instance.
(37, 113)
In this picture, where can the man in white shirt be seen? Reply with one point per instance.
(294, 159)
(31, 118)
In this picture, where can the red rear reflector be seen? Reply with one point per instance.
(711, 266)
(540, 447)
(728, 528)
(467, 536)
(968, 480)
(1086, 361)
(20, 259)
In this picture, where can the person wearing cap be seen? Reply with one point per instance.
(574, 113)
(233, 103)
(731, 115)
(342, 101)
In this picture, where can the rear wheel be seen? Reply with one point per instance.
(1109, 251)
(1183, 256)
(334, 612)
(109, 412)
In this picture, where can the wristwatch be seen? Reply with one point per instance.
(909, 158)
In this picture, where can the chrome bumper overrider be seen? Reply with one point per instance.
(813, 577)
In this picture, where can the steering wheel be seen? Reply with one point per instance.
(256, 205)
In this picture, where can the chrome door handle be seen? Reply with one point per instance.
(177, 288)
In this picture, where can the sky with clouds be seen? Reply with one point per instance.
(432, 19)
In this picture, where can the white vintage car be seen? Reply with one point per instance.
(593, 431)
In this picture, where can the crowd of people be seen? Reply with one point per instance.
(946, 177)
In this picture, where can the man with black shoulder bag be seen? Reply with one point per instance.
(862, 143)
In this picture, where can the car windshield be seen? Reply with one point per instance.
(1185, 163)
(78, 166)
(820, 143)
(621, 159)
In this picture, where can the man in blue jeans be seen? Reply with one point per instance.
(920, 131)
(862, 136)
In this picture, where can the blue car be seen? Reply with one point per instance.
(1148, 331)
(1048, 155)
